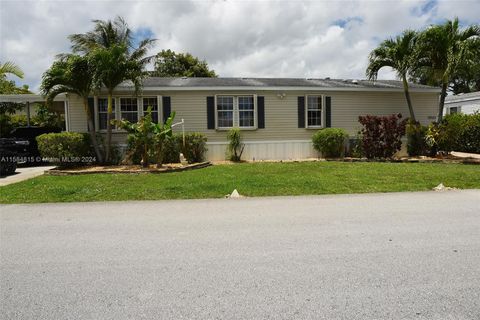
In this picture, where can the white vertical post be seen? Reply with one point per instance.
(183, 132)
(65, 107)
(28, 113)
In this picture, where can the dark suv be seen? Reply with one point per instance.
(30, 134)
(12, 151)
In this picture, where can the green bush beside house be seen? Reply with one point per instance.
(330, 142)
(65, 148)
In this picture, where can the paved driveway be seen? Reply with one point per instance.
(24, 173)
(384, 256)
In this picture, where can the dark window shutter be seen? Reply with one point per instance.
(328, 112)
(91, 108)
(210, 112)
(167, 108)
(301, 112)
(261, 112)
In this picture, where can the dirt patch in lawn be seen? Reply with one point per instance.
(129, 169)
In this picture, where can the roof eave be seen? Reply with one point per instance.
(290, 88)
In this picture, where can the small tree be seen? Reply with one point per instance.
(72, 74)
(381, 135)
(397, 54)
(168, 63)
(445, 48)
(235, 145)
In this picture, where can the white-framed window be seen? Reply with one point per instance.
(103, 111)
(235, 111)
(153, 103)
(246, 112)
(129, 109)
(225, 110)
(314, 111)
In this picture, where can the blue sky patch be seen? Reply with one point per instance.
(342, 23)
(141, 34)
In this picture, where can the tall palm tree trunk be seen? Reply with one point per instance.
(92, 131)
(441, 102)
(409, 100)
(109, 127)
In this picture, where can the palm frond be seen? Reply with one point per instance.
(10, 67)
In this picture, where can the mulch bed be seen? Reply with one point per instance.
(129, 169)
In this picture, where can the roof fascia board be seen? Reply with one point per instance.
(23, 98)
(462, 100)
(245, 88)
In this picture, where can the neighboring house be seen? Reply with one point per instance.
(277, 116)
(467, 103)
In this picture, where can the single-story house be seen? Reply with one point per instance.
(467, 103)
(277, 116)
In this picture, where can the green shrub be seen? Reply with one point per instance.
(194, 151)
(330, 142)
(416, 139)
(66, 148)
(235, 145)
(171, 149)
(195, 147)
(456, 132)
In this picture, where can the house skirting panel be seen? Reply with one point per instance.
(265, 150)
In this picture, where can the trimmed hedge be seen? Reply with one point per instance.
(65, 148)
(330, 142)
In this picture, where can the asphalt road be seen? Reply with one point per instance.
(382, 256)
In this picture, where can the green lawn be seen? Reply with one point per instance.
(251, 179)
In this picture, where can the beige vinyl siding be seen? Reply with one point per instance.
(76, 114)
(281, 114)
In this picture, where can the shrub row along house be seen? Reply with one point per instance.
(277, 117)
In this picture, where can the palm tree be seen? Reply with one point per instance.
(10, 68)
(72, 74)
(112, 67)
(110, 45)
(444, 47)
(397, 54)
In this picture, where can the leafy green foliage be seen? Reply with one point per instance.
(398, 54)
(235, 146)
(171, 64)
(330, 142)
(109, 48)
(194, 150)
(443, 50)
(416, 139)
(65, 148)
(146, 138)
(456, 132)
(47, 118)
(9, 86)
(73, 74)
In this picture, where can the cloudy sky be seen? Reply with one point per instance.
(237, 38)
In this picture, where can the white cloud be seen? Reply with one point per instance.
(237, 38)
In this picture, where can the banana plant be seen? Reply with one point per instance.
(141, 135)
(147, 137)
(161, 131)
